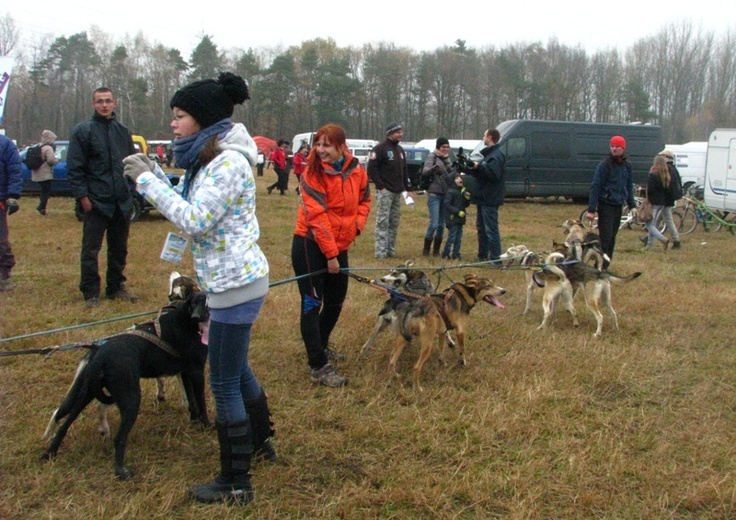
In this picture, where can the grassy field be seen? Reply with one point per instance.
(553, 424)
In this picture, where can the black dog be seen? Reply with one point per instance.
(112, 369)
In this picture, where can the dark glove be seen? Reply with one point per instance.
(13, 206)
(135, 165)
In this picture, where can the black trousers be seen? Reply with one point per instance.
(609, 220)
(45, 191)
(322, 296)
(96, 226)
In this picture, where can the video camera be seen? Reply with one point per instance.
(462, 163)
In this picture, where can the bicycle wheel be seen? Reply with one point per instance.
(588, 224)
(689, 221)
(677, 218)
(711, 223)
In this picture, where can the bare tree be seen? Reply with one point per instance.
(9, 35)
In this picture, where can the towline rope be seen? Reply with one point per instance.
(440, 271)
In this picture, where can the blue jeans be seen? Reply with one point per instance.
(489, 237)
(231, 378)
(436, 206)
(653, 232)
(454, 242)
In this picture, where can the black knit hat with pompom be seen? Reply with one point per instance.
(209, 101)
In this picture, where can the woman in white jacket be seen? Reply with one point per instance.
(215, 205)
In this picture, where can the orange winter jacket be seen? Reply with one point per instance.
(335, 206)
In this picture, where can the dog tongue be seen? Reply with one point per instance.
(494, 301)
(204, 329)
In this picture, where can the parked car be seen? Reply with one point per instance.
(60, 183)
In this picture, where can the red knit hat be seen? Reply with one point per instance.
(617, 140)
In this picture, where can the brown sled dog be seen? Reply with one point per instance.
(429, 318)
(563, 277)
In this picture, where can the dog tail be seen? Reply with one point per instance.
(77, 390)
(622, 279)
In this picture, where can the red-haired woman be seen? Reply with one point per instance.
(334, 209)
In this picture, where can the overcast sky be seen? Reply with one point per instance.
(420, 25)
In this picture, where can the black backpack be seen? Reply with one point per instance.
(34, 157)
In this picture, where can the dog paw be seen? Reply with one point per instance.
(462, 363)
(123, 473)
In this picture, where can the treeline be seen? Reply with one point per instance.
(681, 78)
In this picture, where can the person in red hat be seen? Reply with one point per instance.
(613, 186)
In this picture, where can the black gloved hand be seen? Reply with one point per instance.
(13, 206)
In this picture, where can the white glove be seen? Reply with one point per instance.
(137, 164)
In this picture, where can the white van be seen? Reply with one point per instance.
(455, 144)
(690, 162)
(298, 139)
(720, 170)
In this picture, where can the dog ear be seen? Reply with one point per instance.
(471, 280)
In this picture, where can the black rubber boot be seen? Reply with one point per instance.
(427, 245)
(262, 427)
(436, 246)
(232, 485)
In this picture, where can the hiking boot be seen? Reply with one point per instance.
(334, 355)
(676, 244)
(665, 243)
(122, 294)
(92, 303)
(327, 376)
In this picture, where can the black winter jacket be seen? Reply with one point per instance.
(97, 148)
(387, 167)
(490, 189)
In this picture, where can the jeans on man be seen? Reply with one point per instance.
(489, 237)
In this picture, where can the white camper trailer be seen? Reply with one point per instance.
(720, 170)
(690, 161)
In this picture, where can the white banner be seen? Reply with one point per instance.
(6, 67)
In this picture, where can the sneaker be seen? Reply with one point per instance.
(676, 245)
(122, 294)
(327, 376)
(643, 239)
(91, 303)
(334, 355)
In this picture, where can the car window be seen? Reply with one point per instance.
(515, 148)
(61, 150)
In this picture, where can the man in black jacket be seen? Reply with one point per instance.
(490, 192)
(387, 170)
(95, 165)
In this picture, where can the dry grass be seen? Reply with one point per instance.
(555, 424)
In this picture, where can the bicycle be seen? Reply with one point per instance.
(695, 212)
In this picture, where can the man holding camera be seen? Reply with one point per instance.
(489, 194)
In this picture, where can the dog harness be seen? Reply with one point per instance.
(463, 294)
